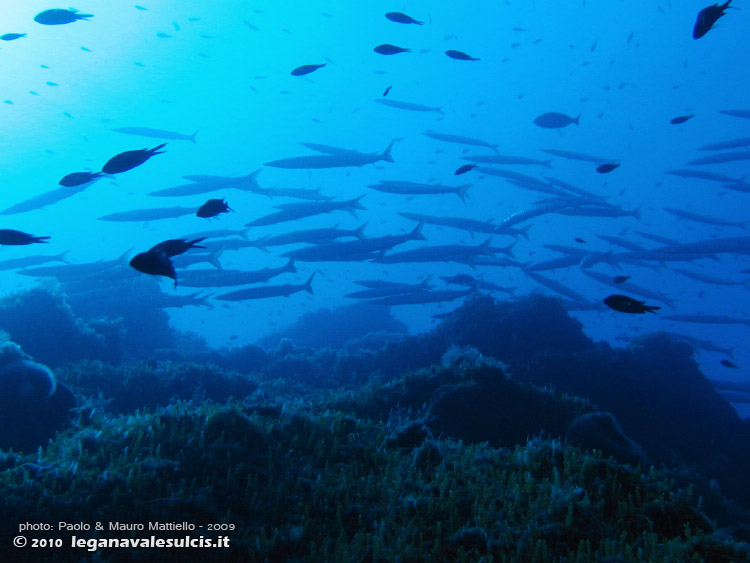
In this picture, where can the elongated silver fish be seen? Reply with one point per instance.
(459, 139)
(338, 160)
(507, 159)
(149, 214)
(208, 184)
(226, 278)
(267, 291)
(570, 155)
(706, 219)
(724, 145)
(155, 133)
(45, 199)
(416, 188)
(720, 158)
(408, 106)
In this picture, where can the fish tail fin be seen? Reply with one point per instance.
(577, 119)
(63, 257)
(290, 267)
(637, 213)
(547, 163)
(215, 256)
(524, 232)
(651, 308)
(417, 232)
(156, 150)
(308, 284)
(191, 138)
(508, 250)
(360, 231)
(253, 180)
(495, 148)
(259, 244)
(355, 204)
(461, 192)
(387, 152)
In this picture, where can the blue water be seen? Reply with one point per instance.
(626, 67)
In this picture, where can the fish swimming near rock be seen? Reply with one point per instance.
(707, 17)
(60, 17)
(213, 207)
(625, 304)
(155, 133)
(460, 56)
(11, 36)
(12, 237)
(306, 69)
(129, 159)
(398, 17)
(555, 120)
(79, 178)
(387, 49)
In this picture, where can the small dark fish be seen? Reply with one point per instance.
(464, 169)
(213, 207)
(707, 17)
(607, 167)
(59, 17)
(460, 56)
(620, 279)
(79, 178)
(386, 49)
(728, 364)
(306, 69)
(12, 237)
(681, 119)
(387, 90)
(578, 239)
(398, 17)
(554, 120)
(129, 159)
(155, 263)
(626, 304)
(176, 246)
(12, 36)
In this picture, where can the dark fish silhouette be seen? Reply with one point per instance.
(728, 364)
(306, 69)
(12, 36)
(620, 279)
(707, 17)
(213, 207)
(17, 238)
(460, 56)
(129, 159)
(398, 17)
(681, 119)
(386, 49)
(157, 260)
(626, 304)
(176, 246)
(387, 90)
(79, 178)
(154, 263)
(464, 169)
(554, 120)
(59, 17)
(607, 167)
